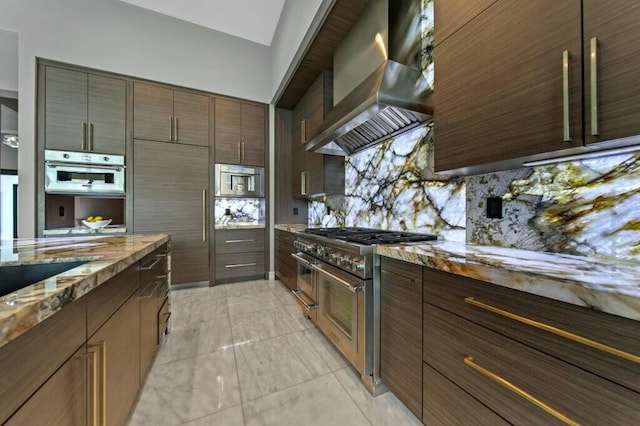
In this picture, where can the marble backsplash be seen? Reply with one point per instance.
(240, 210)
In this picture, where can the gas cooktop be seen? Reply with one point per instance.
(369, 236)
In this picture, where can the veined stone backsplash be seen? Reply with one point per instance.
(391, 186)
(589, 207)
(241, 209)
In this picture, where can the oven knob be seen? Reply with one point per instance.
(357, 265)
(345, 261)
(334, 257)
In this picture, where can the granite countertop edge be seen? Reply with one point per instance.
(24, 309)
(601, 284)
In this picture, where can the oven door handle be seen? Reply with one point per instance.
(351, 288)
(298, 294)
(54, 164)
(302, 260)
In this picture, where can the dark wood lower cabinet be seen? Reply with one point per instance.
(61, 400)
(286, 267)
(401, 332)
(239, 254)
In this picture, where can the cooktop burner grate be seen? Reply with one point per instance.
(369, 236)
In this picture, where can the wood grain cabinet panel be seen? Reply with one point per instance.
(62, 400)
(615, 26)
(286, 267)
(401, 331)
(191, 114)
(449, 292)
(117, 344)
(29, 360)
(152, 112)
(239, 240)
(451, 16)
(239, 266)
(445, 403)
(240, 132)
(170, 181)
(498, 371)
(84, 112)
(496, 101)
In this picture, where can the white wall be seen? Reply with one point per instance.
(295, 20)
(115, 36)
(8, 61)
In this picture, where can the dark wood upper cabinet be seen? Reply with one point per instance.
(314, 173)
(240, 132)
(170, 183)
(166, 115)
(616, 32)
(84, 112)
(453, 15)
(499, 85)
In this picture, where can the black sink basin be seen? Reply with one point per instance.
(13, 278)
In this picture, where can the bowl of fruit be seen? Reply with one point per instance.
(96, 222)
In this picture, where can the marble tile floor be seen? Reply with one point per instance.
(242, 354)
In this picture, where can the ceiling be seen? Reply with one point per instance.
(254, 20)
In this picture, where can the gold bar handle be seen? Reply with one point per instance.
(520, 392)
(593, 59)
(92, 372)
(303, 183)
(102, 347)
(565, 96)
(243, 157)
(239, 152)
(84, 136)
(557, 331)
(90, 136)
(171, 129)
(175, 129)
(204, 215)
(303, 131)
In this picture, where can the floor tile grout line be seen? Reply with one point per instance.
(235, 359)
(289, 387)
(350, 397)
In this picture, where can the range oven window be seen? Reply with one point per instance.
(76, 176)
(340, 307)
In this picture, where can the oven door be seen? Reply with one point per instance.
(306, 285)
(341, 315)
(62, 178)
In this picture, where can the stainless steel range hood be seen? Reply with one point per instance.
(378, 65)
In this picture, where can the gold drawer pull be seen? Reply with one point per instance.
(557, 331)
(513, 388)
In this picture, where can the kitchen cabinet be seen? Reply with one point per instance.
(163, 114)
(314, 173)
(117, 344)
(239, 254)
(84, 111)
(240, 132)
(401, 331)
(615, 90)
(170, 183)
(496, 344)
(451, 16)
(501, 103)
(153, 295)
(286, 266)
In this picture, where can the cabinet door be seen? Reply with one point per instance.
(228, 134)
(453, 15)
(498, 101)
(169, 180)
(65, 109)
(191, 112)
(401, 327)
(148, 326)
(253, 134)
(297, 154)
(107, 115)
(62, 400)
(117, 344)
(615, 26)
(152, 112)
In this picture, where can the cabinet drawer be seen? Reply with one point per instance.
(29, 360)
(154, 265)
(239, 265)
(502, 373)
(239, 241)
(445, 403)
(286, 273)
(163, 318)
(541, 322)
(105, 299)
(397, 269)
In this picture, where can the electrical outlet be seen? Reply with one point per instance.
(227, 212)
(295, 211)
(494, 207)
(61, 211)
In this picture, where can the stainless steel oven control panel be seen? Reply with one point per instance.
(357, 264)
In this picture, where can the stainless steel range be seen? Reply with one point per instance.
(339, 289)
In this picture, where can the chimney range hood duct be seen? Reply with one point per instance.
(389, 101)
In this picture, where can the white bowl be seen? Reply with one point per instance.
(97, 225)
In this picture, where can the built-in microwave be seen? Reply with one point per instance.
(83, 173)
(239, 181)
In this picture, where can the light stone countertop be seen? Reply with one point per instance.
(106, 256)
(610, 286)
(294, 227)
(84, 230)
